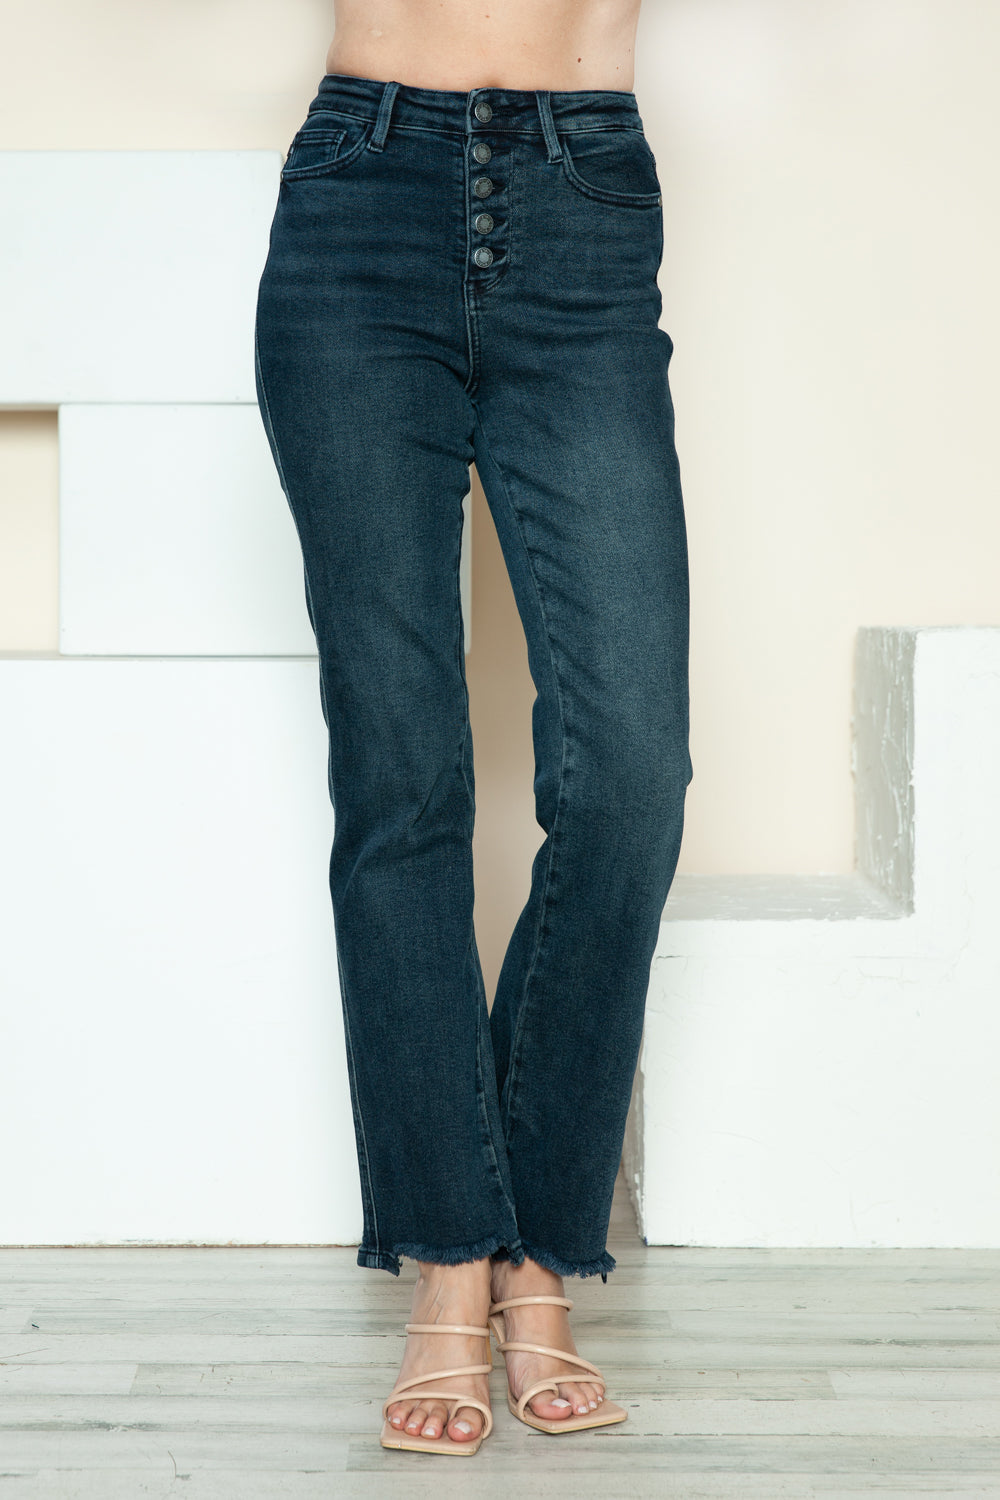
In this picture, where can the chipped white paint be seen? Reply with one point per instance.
(819, 1060)
(883, 761)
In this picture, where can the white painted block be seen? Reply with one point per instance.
(819, 1059)
(170, 1027)
(131, 275)
(175, 537)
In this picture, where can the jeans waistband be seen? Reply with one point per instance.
(520, 111)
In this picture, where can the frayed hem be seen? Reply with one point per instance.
(600, 1267)
(440, 1255)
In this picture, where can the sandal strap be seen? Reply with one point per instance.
(496, 1307)
(575, 1359)
(483, 1333)
(552, 1383)
(404, 1385)
(533, 1391)
(459, 1397)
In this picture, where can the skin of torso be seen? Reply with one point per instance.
(466, 44)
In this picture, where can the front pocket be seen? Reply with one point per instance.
(324, 144)
(612, 166)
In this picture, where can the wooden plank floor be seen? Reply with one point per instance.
(253, 1373)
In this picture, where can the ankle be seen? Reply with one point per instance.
(467, 1284)
(527, 1279)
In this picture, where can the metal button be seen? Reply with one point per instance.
(482, 187)
(483, 111)
(483, 256)
(481, 151)
(484, 223)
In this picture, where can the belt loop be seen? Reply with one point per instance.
(382, 119)
(548, 124)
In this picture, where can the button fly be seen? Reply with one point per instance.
(487, 262)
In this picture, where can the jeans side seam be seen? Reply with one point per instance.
(484, 1114)
(517, 1041)
(364, 1162)
(266, 409)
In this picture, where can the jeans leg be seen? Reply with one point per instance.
(584, 486)
(414, 313)
(372, 441)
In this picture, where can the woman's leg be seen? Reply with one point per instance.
(574, 445)
(575, 449)
(370, 429)
(445, 1294)
(360, 339)
(391, 350)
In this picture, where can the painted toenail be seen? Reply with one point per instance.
(464, 1426)
(561, 1402)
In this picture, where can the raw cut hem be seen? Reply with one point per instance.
(440, 1255)
(599, 1267)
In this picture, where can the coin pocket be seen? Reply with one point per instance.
(612, 166)
(323, 144)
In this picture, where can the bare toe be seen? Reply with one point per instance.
(437, 1416)
(466, 1424)
(415, 1421)
(580, 1397)
(549, 1407)
(399, 1412)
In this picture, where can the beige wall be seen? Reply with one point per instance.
(831, 216)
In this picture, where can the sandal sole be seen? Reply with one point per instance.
(391, 1437)
(610, 1413)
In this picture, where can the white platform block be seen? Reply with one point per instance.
(131, 275)
(170, 1027)
(175, 537)
(819, 1065)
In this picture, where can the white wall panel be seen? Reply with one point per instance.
(175, 536)
(170, 1027)
(131, 275)
(819, 1064)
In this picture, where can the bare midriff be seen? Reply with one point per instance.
(467, 44)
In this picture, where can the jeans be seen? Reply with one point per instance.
(472, 276)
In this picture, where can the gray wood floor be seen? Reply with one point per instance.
(251, 1373)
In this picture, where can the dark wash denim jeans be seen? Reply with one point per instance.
(472, 276)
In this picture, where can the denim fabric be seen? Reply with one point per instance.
(472, 276)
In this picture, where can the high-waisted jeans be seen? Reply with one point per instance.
(472, 276)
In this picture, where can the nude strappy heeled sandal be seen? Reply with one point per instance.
(606, 1413)
(395, 1437)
